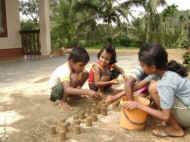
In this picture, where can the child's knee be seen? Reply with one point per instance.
(105, 78)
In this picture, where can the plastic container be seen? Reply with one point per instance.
(134, 119)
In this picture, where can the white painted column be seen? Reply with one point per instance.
(45, 40)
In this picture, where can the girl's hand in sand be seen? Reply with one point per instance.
(131, 105)
(114, 82)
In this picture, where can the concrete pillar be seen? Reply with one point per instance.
(45, 39)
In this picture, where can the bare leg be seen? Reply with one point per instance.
(152, 89)
(77, 81)
(104, 78)
(173, 127)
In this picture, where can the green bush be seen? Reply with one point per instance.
(185, 44)
(186, 58)
(125, 41)
(29, 25)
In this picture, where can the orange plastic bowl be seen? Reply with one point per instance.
(134, 119)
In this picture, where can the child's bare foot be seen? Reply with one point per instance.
(179, 132)
(65, 106)
(168, 131)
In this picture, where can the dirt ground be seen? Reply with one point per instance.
(27, 115)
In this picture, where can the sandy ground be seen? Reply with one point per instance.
(26, 114)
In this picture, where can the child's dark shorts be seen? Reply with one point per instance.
(57, 92)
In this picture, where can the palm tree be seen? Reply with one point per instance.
(189, 31)
(147, 29)
(66, 24)
(152, 19)
(137, 30)
(30, 9)
(167, 29)
(110, 11)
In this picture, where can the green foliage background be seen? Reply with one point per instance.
(76, 22)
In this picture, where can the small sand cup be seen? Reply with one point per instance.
(61, 137)
(65, 126)
(53, 130)
(76, 117)
(87, 114)
(104, 111)
(77, 122)
(63, 121)
(94, 117)
(87, 111)
(82, 115)
(89, 122)
(77, 129)
(97, 110)
(94, 104)
(93, 110)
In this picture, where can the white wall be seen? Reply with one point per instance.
(45, 40)
(13, 26)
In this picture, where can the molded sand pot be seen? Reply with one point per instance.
(134, 119)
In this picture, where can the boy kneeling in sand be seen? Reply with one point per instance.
(68, 78)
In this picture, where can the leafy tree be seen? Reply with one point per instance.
(152, 19)
(110, 11)
(67, 27)
(136, 30)
(167, 28)
(173, 27)
(30, 9)
(147, 28)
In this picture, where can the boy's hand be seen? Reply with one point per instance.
(92, 93)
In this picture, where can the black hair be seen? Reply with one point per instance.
(79, 54)
(178, 68)
(155, 54)
(111, 50)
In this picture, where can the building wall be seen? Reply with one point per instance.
(11, 45)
